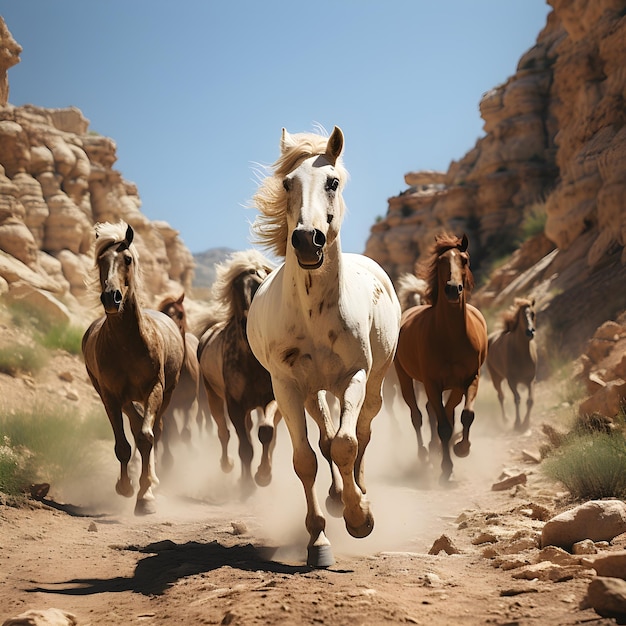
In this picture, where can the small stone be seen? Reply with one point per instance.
(509, 482)
(93, 528)
(239, 528)
(444, 543)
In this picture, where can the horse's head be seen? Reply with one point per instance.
(314, 203)
(116, 262)
(174, 308)
(245, 285)
(526, 317)
(453, 271)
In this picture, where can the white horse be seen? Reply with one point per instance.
(322, 322)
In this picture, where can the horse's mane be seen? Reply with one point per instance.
(411, 291)
(270, 227)
(443, 243)
(227, 272)
(109, 234)
(510, 318)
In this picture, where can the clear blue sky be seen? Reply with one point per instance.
(195, 92)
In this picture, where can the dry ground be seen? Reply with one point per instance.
(207, 557)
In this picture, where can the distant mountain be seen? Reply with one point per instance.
(204, 272)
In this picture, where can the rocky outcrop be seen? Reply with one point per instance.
(555, 144)
(56, 181)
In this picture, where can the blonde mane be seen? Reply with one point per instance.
(107, 235)
(270, 227)
(227, 272)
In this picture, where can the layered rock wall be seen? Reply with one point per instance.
(56, 181)
(555, 142)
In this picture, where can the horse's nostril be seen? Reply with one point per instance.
(460, 288)
(117, 297)
(319, 239)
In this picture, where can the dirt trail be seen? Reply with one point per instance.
(206, 557)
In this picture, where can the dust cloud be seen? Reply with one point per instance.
(410, 508)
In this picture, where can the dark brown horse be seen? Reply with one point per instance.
(132, 355)
(513, 356)
(443, 345)
(236, 383)
(187, 403)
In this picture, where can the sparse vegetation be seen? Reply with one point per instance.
(63, 337)
(22, 359)
(534, 221)
(47, 444)
(591, 465)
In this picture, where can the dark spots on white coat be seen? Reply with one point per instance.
(291, 355)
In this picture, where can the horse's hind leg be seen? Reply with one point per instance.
(269, 418)
(529, 404)
(408, 393)
(496, 379)
(242, 422)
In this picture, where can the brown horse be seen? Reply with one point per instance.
(235, 382)
(513, 356)
(443, 345)
(187, 403)
(132, 355)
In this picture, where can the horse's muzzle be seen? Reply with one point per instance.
(111, 300)
(309, 247)
(530, 333)
(453, 291)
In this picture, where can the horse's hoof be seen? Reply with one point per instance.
(462, 449)
(364, 529)
(334, 506)
(124, 489)
(320, 556)
(227, 466)
(145, 507)
(263, 479)
(266, 434)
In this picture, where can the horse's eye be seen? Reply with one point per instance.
(286, 184)
(332, 184)
(329, 218)
(128, 260)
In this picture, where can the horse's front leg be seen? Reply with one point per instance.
(319, 552)
(242, 422)
(344, 451)
(445, 426)
(142, 428)
(123, 449)
(410, 397)
(529, 405)
(516, 399)
(216, 408)
(269, 418)
(462, 447)
(318, 409)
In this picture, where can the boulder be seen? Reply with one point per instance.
(598, 520)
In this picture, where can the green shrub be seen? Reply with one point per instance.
(534, 221)
(48, 444)
(63, 337)
(16, 359)
(590, 465)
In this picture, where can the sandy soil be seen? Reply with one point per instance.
(209, 557)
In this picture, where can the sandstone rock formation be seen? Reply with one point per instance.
(56, 181)
(555, 142)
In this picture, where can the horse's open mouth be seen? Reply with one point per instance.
(314, 265)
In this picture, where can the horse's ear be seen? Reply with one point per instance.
(335, 145)
(286, 141)
(532, 303)
(130, 233)
(464, 243)
(182, 297)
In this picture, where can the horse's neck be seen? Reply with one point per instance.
(130, 322)
(311, 287)
(451, 316)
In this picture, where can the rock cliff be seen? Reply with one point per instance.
(56, 181)
(554, 149)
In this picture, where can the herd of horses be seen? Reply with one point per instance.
(316, 336)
